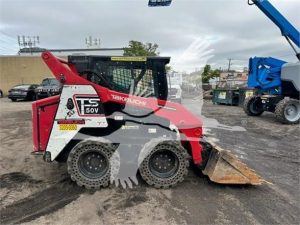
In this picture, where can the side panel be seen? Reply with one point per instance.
(45, 118)
(43, 113)
(290, 76)
(79, 107)
(264, 74)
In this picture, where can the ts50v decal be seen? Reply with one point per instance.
(87, 105)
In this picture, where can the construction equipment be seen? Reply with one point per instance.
(277, 82)
(112, 119)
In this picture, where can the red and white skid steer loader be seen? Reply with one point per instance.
(112, 120)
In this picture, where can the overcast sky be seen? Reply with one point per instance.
(190, 31)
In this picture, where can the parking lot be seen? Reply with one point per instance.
(35, 192)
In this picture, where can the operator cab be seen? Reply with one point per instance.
(139, 76)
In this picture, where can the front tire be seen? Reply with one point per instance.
(33, 97)
(288, 111)
(166, 165)
(253, 106)
(89, 164)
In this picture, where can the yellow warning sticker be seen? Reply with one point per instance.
(67, 127)
(129, 58)
(222, 95)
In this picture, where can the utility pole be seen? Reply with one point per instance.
(229, 64)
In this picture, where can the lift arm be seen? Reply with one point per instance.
(287, 29)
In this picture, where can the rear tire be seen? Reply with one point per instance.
(253, 106)
(13, 99)
(288, 111)
(89, 164)
(166, 165)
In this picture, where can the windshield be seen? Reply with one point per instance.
(51, 82)
(23, 86)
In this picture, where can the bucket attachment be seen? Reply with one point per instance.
(225, 168)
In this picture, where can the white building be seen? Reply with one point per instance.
(175, 78)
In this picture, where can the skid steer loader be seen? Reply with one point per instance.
(112, 120)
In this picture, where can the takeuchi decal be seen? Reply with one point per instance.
(129, 100)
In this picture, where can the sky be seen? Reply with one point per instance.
(191, 32)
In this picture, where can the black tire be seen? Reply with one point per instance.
(13, 99)
(30, 97)
(253, 106)
(172, 175)
(287, 111)
(33, 97)
(89, 164)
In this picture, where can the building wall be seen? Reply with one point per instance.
(234, 75)
(30, 69)
(21, 70)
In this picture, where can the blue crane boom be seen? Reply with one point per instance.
(287, 29)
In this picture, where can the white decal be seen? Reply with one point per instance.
(129, 100)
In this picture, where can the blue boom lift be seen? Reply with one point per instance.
(278, 82)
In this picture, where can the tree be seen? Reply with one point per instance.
(136, 48)
(208, 73)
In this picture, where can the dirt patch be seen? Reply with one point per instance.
(11, 180)
(34, 192)
(41, 203)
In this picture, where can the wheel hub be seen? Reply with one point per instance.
(256, 106)
(292, 112)
(163, 164)
(93, 164)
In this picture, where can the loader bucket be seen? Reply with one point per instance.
(225, 168)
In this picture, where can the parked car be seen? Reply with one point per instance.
(48, 87)
(175, 93)
(1, 93)
(23, 92)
